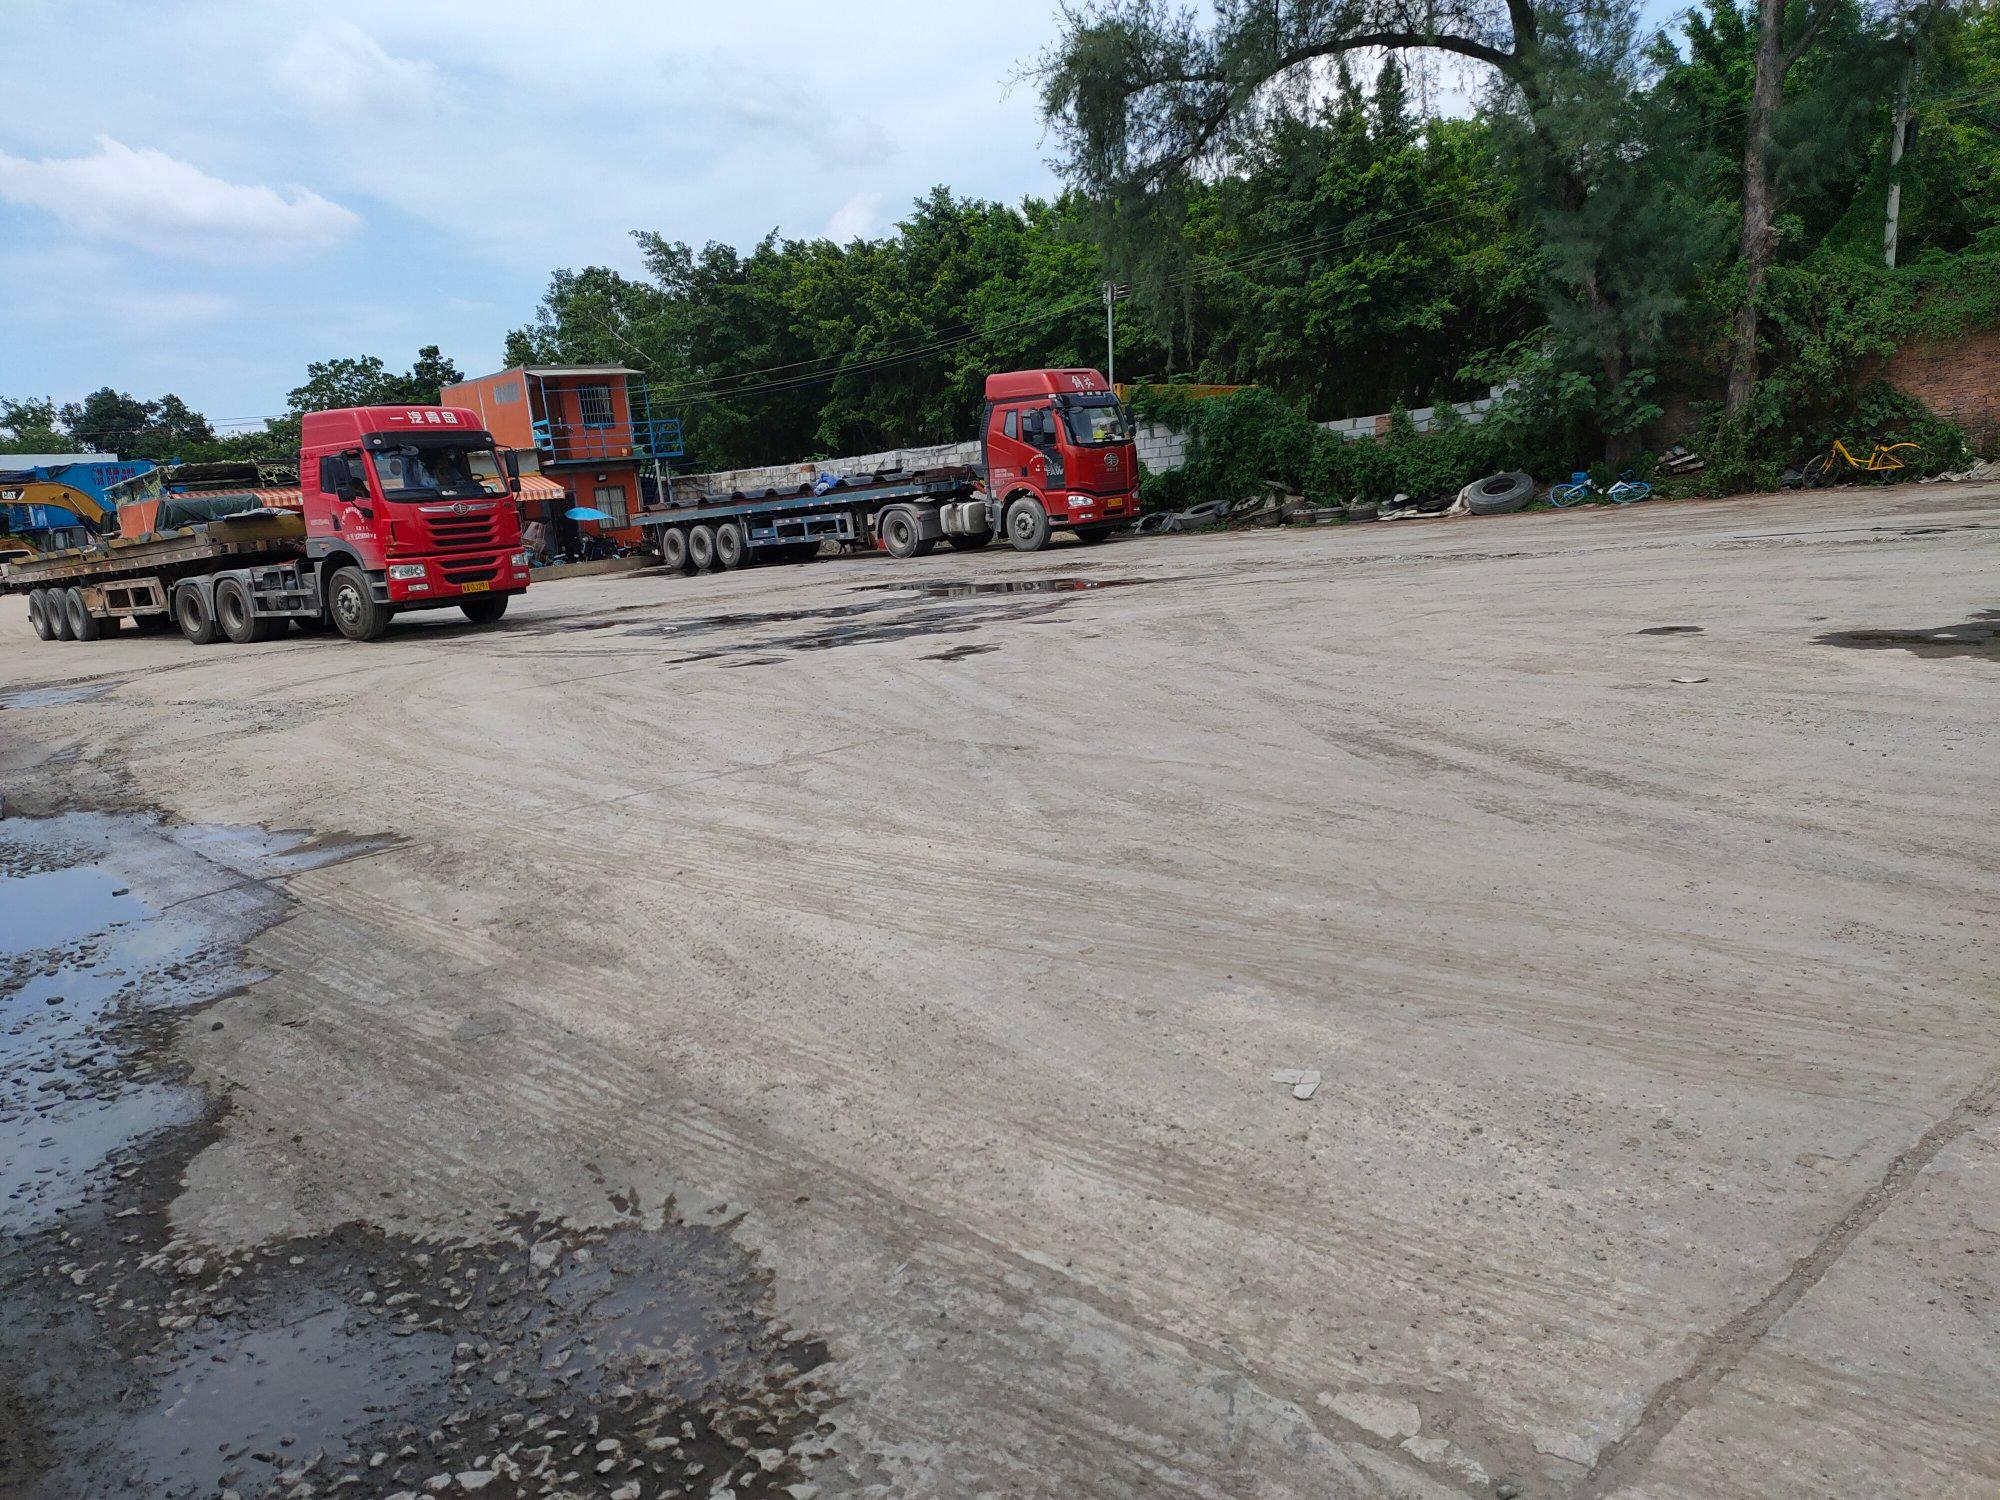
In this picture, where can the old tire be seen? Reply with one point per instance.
(352, 603)
(1027, 525)
(1499, 494)
(1090, 536)
(38, 614)
(192, 614)
(731, 545)
(674, 548)
(234, 614)
(83, 625)
(701, 548)
(485, 609)
(900, 533)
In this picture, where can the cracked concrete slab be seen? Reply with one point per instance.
(953, 988)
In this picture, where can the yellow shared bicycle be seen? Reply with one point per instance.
(1839, 461)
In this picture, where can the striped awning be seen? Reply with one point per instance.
(535, 487)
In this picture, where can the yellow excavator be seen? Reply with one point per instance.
(39, 515)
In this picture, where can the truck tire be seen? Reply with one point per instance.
(38, 614)
(900, 532)
(352, 604)
(1499, 494)
(1090, 536)
(674, 548)
(971, 542)
(731, 545)
(701, 548)
(195, 618)
(236, 616)
(485, 609)
(83, 625)
(1027, 525)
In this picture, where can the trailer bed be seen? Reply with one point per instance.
(933, 484)
(240, 540)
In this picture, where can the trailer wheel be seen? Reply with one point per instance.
(236, 615)
(674, 548)
(1027, 525)
(38, 614)
(83, 625)
(192, 614)
(730, 545)
(485, 609)
(971, 542)
(352, 604)
(701, 548)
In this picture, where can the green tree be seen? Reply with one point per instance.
(29, 426)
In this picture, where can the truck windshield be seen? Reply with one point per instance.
(1096, 420)
(427, 473)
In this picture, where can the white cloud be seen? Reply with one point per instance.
(338, 69)
(856, 219)
(153, 200)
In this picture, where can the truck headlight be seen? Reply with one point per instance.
(405, 572)
(520, 559)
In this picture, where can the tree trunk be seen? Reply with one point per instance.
(1758, 240)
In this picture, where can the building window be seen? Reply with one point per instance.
(611, 500)
(594, 405)
(504, 395)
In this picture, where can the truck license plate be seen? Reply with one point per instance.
(474, 588)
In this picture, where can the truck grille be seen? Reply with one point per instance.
(455, 533)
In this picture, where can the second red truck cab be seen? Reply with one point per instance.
(1058, 450)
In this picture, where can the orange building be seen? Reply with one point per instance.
(584, 435)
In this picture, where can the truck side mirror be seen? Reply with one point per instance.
(511, 461)
(332, 475)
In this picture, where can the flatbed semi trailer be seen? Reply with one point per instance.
(1056, 454)
(390, 514)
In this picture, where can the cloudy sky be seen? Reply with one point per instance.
(202, 195)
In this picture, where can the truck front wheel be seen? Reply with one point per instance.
(485, 609)
(1027, 525)
(195, 618)
(1090, 536)
(83, 625)
(352, 604)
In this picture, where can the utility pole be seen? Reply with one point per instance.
(1898, 135)
(1110, 345)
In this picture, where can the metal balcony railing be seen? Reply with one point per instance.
(584, 442)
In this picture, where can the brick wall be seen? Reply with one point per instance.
(1957, 378)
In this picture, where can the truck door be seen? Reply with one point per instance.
(1006, 454)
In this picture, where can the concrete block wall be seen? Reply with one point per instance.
(1162, 449)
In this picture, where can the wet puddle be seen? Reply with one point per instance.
(1978, 637)
(1669, 630)
(540, 1358)
(958, 588)
(960, 653)
(56, 696)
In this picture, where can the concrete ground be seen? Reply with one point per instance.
(1628, 876)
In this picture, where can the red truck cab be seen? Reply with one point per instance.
(408, 507)
(1058, 449)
